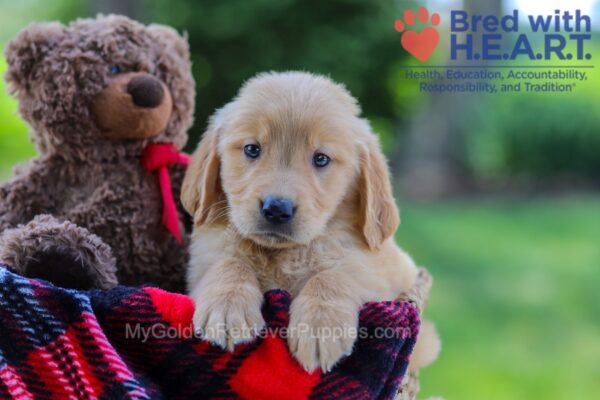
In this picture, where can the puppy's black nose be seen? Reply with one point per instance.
(146, 91)
(278, 210)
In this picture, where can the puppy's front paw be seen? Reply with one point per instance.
(321, 333)
(230, 318)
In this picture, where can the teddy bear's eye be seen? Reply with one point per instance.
(115, 69)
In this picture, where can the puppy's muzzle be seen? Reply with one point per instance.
(277, 210)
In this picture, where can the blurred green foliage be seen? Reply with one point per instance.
(515, 296)
(15, 15)
(541, 137)
(353, 41)
(538, 136)
(14, 144)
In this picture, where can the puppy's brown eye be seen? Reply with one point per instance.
(252, 150)
(321, 160)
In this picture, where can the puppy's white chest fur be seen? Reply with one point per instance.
(386, 273)
(286, 269)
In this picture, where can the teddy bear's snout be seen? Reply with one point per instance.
(146, 91)
(134, 105)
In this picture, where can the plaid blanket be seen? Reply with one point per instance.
(138, 343)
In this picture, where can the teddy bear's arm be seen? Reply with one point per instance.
(60, 252)
(40, 245)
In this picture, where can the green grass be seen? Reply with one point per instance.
(515, 296)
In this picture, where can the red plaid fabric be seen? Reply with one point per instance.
(137, 343)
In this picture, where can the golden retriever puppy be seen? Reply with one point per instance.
(289, 189)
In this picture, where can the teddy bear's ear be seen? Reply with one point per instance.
(171, 39)
(30, 46)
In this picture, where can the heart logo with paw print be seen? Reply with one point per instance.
(419, 44)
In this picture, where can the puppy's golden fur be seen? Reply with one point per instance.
(338, 251)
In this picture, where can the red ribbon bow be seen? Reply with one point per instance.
(158, 157)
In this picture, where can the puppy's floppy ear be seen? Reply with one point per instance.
(201, 188)
(379, 216)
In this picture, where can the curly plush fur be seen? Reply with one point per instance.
(83, 175)
(41, 255)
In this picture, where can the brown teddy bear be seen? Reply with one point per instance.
(109, 102)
